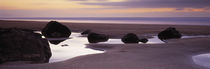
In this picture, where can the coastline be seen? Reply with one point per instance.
(122, 20)
(175, 55)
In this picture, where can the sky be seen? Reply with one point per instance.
(104, 8)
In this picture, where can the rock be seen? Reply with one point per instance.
(95, 38)
(143, 40)
(86, 32)
(169, 33)
(130, 38)
(56, 30)
(23, 45)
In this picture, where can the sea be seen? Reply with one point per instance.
(121, 20)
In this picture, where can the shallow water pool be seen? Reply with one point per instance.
(76, 46)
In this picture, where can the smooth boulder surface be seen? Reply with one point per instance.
(169, 33)
(23, 45)
(56, 30)
(130, 38)
(95, 38)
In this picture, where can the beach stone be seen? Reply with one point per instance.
(95, 38)
(23, 45)
(169, 33)
(130, 38)
(143, 40)
(86, 32)
(56, 30)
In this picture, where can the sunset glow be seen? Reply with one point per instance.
(100, 8)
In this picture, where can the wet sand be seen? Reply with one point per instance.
(174, 55)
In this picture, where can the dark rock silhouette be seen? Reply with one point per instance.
(95, 38)
(86, 32)
(56, 30)
(169, 33)
(23, 45)
(130, 38)
(143, 40)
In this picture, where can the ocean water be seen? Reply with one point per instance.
(123, 20)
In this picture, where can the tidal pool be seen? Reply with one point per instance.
(76, 46)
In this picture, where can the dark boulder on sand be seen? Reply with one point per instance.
(86, 32)
(56, 30)
(95, 38)
(169, 33)
(143, 40)
(130, 38)
(23, 45)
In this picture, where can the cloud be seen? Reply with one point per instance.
(155, 3)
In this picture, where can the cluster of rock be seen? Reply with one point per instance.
(26, 45)
(56, 30)
(169, 33)
(23, 45)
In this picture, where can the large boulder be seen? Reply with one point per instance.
(95, 38)
(130, 38)
(169, 33)
(56, 30)
(23, 45)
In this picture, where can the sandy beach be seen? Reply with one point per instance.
(174, 55)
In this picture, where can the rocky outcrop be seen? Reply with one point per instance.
(23, 45)
(56, 30)
(130, 38)
(169, 33)
(95, 38)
